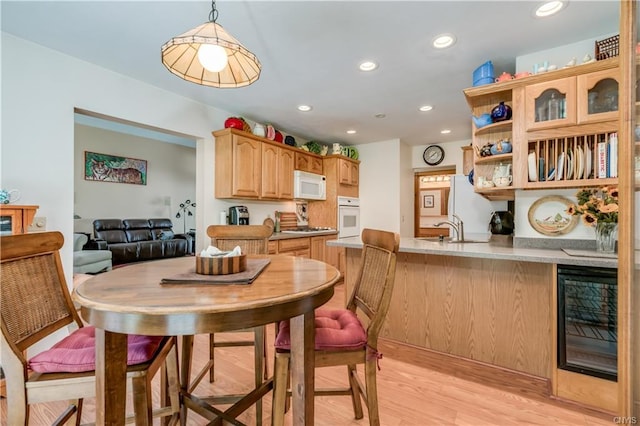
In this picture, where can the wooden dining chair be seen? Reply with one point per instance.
(35, 304)
(341, 337)
(252, 239)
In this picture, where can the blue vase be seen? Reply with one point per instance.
(501, 112)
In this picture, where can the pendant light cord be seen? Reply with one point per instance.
(213, 15)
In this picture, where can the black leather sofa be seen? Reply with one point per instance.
(134, 240)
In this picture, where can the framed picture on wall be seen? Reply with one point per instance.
(427, 201)
(111, 168)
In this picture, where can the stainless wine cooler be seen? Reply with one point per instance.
(587, 321)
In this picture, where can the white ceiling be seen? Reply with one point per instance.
(310, 51)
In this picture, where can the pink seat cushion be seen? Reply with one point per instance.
(335, 329)
(77, 352)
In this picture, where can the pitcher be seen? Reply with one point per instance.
(502, 170)
(9, 196)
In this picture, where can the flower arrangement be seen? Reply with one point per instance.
(596, 205)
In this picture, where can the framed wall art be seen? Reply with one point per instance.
(433, 202)
(111, 168)
(427, 201)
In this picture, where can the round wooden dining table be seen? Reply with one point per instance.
(131, 300)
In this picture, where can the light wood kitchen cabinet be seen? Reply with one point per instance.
(597, 96)
(16, 219)
(331, 255)
(467, 159)
(349, 172)
(483, 167)
(295, 247)
(251, 167)
(277, 173)
(308, 163)
(324, 213)
(551, 104)
(272, 247)
(558, 119)
(238, 170)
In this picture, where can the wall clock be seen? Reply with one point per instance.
(433, 155)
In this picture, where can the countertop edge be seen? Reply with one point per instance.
(286, 236)
(489, 251)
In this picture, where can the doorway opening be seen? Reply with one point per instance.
(431, 198)
(169, 163)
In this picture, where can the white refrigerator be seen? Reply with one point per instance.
(473, 209)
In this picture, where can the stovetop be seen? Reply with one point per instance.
(307, 229)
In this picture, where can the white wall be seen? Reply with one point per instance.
(37, 147)
(452, 155)
(559, 55)
(407, 195)
(171, 179)
(380, 187)
(524, 201)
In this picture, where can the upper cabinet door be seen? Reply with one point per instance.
(270, 160)
(285, 174)
(551, 104)
(598, 96)
(247, 166)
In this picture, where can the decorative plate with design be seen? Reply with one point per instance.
(549, 216)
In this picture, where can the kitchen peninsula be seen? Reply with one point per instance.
(484, 312)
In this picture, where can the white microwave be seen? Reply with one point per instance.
(309, 186)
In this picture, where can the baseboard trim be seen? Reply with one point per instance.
(530, 386)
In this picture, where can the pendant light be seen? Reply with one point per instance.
(210, 56)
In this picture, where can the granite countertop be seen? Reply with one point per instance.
(287, 236)
(489, 250)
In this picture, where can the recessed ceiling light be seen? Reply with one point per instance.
(549, 8)
(426, 108)
(443, 41)
(380, 115)
(445, 131)
(305, 108)
(351, 132)
(368, 66)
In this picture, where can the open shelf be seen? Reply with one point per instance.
(495, 127)
(494, 158)
(571, 183)
(497, 194)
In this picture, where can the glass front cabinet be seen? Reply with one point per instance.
(598, 96)
(550, 104)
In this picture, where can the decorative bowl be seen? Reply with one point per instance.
(220, 265)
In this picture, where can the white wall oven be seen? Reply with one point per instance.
(348, 217)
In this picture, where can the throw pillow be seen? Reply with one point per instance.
(166, 235)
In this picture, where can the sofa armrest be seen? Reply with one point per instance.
(190, 241)
(96, 245)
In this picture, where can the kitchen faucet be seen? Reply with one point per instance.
(456, 224)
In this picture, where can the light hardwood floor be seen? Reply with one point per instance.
(408, 395)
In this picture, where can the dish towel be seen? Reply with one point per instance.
(254, 268)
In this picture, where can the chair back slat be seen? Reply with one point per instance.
(375, 280)
(35, 297)
(252, 239)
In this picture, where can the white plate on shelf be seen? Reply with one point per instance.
(579, 157)
(533, 167)
(560, 166)
(569, 164)
(587, 162)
